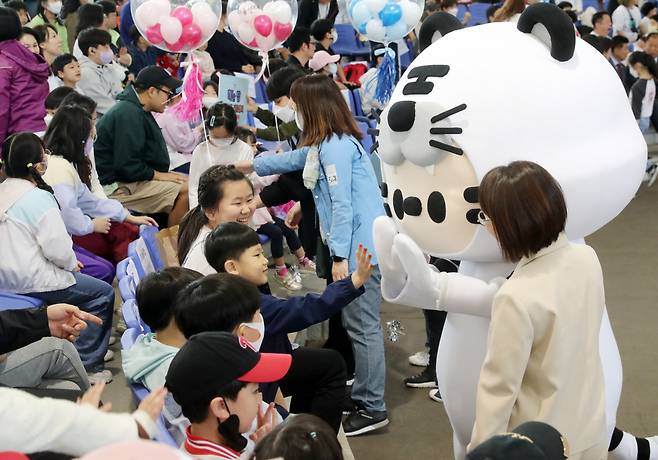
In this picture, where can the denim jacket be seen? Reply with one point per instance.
(346, 194)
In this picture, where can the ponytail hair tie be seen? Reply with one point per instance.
(29, 165)
(212, 121)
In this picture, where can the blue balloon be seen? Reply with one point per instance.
(362, 28)
(390, 14)
(352, 4)
(396, 31)
(360, 13)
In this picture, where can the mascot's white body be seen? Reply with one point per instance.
(475, 99)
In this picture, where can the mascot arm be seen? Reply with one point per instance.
(508, 351)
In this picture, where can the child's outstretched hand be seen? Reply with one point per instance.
(266, 423)
(363, 267)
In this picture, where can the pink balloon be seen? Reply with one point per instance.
(253, 44)
(183, 14)
(282, 31)
(153, 34)
(263, 25)
(191, 35)
(175, 47)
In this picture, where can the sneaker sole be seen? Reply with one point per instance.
(422, 385)
(368, 429)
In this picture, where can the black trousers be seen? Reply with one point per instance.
(276, 232)
(316, 382)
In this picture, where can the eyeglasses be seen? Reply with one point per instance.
(169, 93)
(483, 218)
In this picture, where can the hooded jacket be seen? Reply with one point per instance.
(23, 88)
(147, 361)
(130, 146)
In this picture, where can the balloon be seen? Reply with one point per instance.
(396, 31)
(411, 13)
(375, 5)
(390, 14)
(282, 31)
(245, 32)
(171, 29)
(361, 13)
(182, 24)
(153, 35)
(265, 43)
(375, 30)
(263, 25)
(191, 35)
(183, 14)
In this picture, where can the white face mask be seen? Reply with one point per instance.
(334, 36)
(453, 11)
(299, 121)
(224, 142)
(258, 326)
(285, 114)
(333, 68)
(54, 7)
(209, 101)
(48, 118)
(633, 73)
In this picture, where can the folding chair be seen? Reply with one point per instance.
(148, 232)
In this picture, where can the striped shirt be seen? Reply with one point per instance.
(203, 449)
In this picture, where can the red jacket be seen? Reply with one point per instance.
(23, 89)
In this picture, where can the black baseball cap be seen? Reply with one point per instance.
(210, 360)
(528, 441)
(156, 76)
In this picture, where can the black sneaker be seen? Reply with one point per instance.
(363, 421)
(426, 379)
(349, 405)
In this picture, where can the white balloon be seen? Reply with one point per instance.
(234, 20)
(149, 13)
(246, 32)
(265, 43)
(208, 22)
(171, 29)
(246, 7)
(282, 12)
(375, 5)
(411, 13)
(375, 30)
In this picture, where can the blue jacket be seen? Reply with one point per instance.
(282, 316)
(346, 194)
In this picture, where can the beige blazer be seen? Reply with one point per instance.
(542, 359)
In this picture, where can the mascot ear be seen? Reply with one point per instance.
(552, 26)
(435, 27)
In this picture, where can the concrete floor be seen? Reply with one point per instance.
(628, 250)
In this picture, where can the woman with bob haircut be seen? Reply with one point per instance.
(542, 359)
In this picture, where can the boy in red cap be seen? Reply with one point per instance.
(214, 378)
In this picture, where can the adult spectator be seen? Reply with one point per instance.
(310, 10)
(70, 16)
(23, 80)
(301, 48)
(49, 42)
(49, 14)
(30, 39)
(21, 8)
(626, 19)
(325, 35)
(510, 11)
(110, 22)
(651, 47)
(131, 153)
(602, 24)
(648, 11)
(90, 15)
(618, 57)
(142, 52)
(225, 50)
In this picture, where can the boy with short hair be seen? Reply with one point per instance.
(317, 377)
(214, 378)
(66, 71)
(98, 79)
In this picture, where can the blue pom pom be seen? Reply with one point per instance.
(386, 78)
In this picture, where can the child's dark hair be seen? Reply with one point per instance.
(196, 409)
(66, 136)
(60, 62)
(274, 65)
(280, 82)
(135, 35)
(222, 115)
(245, 134)
(90, 15)
(80, 100)
(211, 192)
(302, 437)
(92, 38)
(211, 83)
(57, 96)
(217, 303)
(227, 242)
(21, 152)
(157, 292)
(640, 57)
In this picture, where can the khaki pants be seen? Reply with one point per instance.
(147, 197)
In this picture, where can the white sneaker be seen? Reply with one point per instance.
(435, 395)
(109, 356)
(288, 281)
(112, 340)
(101, 376)
(307, 267)
(420, 359)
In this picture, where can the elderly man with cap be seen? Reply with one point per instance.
(214, 378)
(131, 154)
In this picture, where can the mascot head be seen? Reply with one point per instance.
(484, 96)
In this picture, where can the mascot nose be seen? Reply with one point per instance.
(401, 116)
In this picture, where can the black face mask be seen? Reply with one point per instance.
(229, 429)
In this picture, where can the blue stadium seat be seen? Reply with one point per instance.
(126, 288)
(130, 315)
(347, 44)
(358, 104)
(367, 141)
(261, 94)
(148, 232)
(121, 268)
(9, 301)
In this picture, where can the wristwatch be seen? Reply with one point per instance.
(337, 258)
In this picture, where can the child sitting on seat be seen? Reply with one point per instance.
(214, 378)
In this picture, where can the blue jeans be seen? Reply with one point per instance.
(95, 297)
(361, 319)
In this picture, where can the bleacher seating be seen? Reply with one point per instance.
(348, 44)
(9, 301)
(147, 233)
